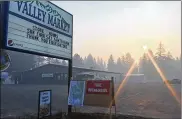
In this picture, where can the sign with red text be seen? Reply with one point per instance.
(98, 87)
(99, 93)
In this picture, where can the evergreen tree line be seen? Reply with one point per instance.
(169, 65)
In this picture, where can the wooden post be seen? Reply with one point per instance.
(110, 115)
(115, 110)
(113, 98)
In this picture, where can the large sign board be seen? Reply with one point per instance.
(37, 27)
(91, 93)
(98, 87)
(100, 94)
(44, 107)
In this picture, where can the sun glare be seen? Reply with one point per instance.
(144, 47)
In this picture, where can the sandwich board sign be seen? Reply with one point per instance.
(37, 27)
(44, 104)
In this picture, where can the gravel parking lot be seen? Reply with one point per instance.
(148, 100)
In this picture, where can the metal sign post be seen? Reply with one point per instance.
(70, 71)
(69, 80)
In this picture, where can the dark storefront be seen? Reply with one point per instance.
(51, 74)
(47, 74)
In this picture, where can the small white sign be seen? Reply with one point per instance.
(47, 75)
(44, 103)
(45, 97)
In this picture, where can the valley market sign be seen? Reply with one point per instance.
(37, 27)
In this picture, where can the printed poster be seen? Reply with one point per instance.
(76, 93)
(44, 103)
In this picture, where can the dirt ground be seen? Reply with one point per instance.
(148, 100)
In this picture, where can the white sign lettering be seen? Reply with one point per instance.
(41, 27)
(44, 104)
(47, 75)
(98, 84)
(97, 90)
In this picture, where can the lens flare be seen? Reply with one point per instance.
(137, 62)
(164, 79)
(124, 81)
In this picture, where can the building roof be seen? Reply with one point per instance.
(90, 70)
(86, 73)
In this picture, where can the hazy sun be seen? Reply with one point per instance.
(144, 47)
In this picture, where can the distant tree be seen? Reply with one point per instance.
(169, 66)
(102, 66)
(105, 66)
(128, 59)
(169, 55)
(84, 61)
(160, 54)
(89, 63)
(147, 68)
(98, 62)
(124, 64)
(78, 61)
(111, 64)
(123, 58)
(119, 65)
(95, 66)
